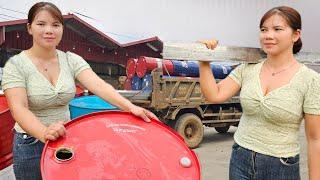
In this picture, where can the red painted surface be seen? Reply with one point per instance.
(6, 131)
(111, 51)
(6, 161)
(147, 64)
(79, 91)
(73, 42)
(127, 84)
(119, 145)
(131, 67)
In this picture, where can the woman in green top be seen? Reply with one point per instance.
(39, 83)
(276, 94)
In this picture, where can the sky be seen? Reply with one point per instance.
(232, 22)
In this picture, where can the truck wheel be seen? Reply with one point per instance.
(222, 130)
(190, 127)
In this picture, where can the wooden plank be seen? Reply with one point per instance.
(199, 52)
(308, 57)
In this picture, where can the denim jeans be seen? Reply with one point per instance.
(247, 164)
(26, 157)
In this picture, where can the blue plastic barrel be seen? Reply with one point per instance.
(88, 104)
(186, 68)
(191, 68)
(180, 68)
(147, 83)
(220, 71)
(136, 83)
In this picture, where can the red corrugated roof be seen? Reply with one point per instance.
(14, 22)
(155, 38)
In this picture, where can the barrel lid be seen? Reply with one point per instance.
(118, 145)
(141, 68)
(91, 102)
(131, 67)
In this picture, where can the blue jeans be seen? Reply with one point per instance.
(247, 164)
(26, 157)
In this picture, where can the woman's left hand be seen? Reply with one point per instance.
(145, 114)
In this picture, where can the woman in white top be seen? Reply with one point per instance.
(39, 83)
(276, 95)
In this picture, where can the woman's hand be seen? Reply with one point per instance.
(146, 115)
(54, 131)
(104, 90)
(211, 44)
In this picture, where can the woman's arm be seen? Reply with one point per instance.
(18, 104)
(312, 128)
(104, 90)
(213, 92)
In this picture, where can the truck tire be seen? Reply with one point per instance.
(222, 130)
(190, 127)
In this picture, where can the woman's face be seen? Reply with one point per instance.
(276, 36)
(45, 30)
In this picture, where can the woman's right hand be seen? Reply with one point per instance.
(54, 131)
(211, 44)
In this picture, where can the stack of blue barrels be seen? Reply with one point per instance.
(219, 69)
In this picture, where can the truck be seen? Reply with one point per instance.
(179, 103)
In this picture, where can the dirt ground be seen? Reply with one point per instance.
(215, 151)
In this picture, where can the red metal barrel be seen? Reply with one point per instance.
(127, 84)
(118, 145)
(131, 67)
(6, 131)
(146, 64)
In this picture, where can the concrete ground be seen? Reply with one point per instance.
(7, 173)
(215, 151)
